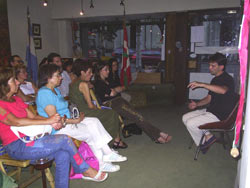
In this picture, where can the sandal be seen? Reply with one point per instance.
(96, 178)
(119, 145)
(163, 140)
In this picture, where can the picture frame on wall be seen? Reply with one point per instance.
(36, 29)
(38, 43)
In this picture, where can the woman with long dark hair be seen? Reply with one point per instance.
(109, 97)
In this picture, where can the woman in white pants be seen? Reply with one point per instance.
(49, 101)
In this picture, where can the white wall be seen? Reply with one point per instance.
(18, 27)
(56, 35)
(71, 9)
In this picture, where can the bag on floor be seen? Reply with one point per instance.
(88, 157)
(131, 129)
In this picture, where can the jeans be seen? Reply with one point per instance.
(57, 147)
(124, 109)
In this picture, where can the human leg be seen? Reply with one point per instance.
(109, 119)
(123, 108)
(89, 130)
(193, 120)
(58, 147)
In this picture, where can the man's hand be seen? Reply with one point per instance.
(192, 105)
(194, 85)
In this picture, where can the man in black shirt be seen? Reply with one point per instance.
(221, 99)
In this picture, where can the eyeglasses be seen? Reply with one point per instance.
(58, 75)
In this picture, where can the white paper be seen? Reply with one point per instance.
(192, 47)
(197, 34)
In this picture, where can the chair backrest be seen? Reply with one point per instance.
(92, 94)
(226, 124)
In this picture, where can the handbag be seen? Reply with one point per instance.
(131, 129)
(74, 112)
(88, 156)
(34, 132)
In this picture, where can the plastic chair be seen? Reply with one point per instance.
(222, 127)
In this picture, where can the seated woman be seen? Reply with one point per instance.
(80, 95)
(27, 90)
(109, 97)
(14, 112)
(114, 80)
(49, 101)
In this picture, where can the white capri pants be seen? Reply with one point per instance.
(192, 120)
(89, 130)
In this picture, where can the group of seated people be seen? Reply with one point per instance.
(97, 127)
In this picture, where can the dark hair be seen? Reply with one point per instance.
(6, 73)
(112, 60)
(66, 64)
(51, 57)
(45, 72)
(80, 65)
(44, 61)
(98, 67)
(219, 58)
(11, 59)
(18, 69)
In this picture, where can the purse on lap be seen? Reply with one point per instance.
(34, 132)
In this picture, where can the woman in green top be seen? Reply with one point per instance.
(79, 94)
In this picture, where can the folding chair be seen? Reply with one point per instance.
(222, 127)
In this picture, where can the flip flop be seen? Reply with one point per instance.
(209, 142)
(117, 145)
(96, 178)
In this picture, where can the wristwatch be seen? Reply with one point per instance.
(64, 120)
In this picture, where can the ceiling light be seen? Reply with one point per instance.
(45, 3)
(81, 12)
(231, 11)
(122, 3)
(91, 4)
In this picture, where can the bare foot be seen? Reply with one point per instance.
(92, 173)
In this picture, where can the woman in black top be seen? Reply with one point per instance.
(109, 97)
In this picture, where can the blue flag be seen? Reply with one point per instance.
(31, 53)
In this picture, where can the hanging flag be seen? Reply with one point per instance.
(243, 56)
(125, 72)
(31, 52)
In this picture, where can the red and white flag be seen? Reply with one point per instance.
(125, 72)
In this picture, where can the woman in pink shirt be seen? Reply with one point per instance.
(14, 112)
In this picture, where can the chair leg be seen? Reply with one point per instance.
(222, 135)
(228, 138)
(44, 179)
(2, 168)
(199, 147)
(50, 178)
(19, 170)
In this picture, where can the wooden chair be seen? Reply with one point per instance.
(19, 164)
(222, 127)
